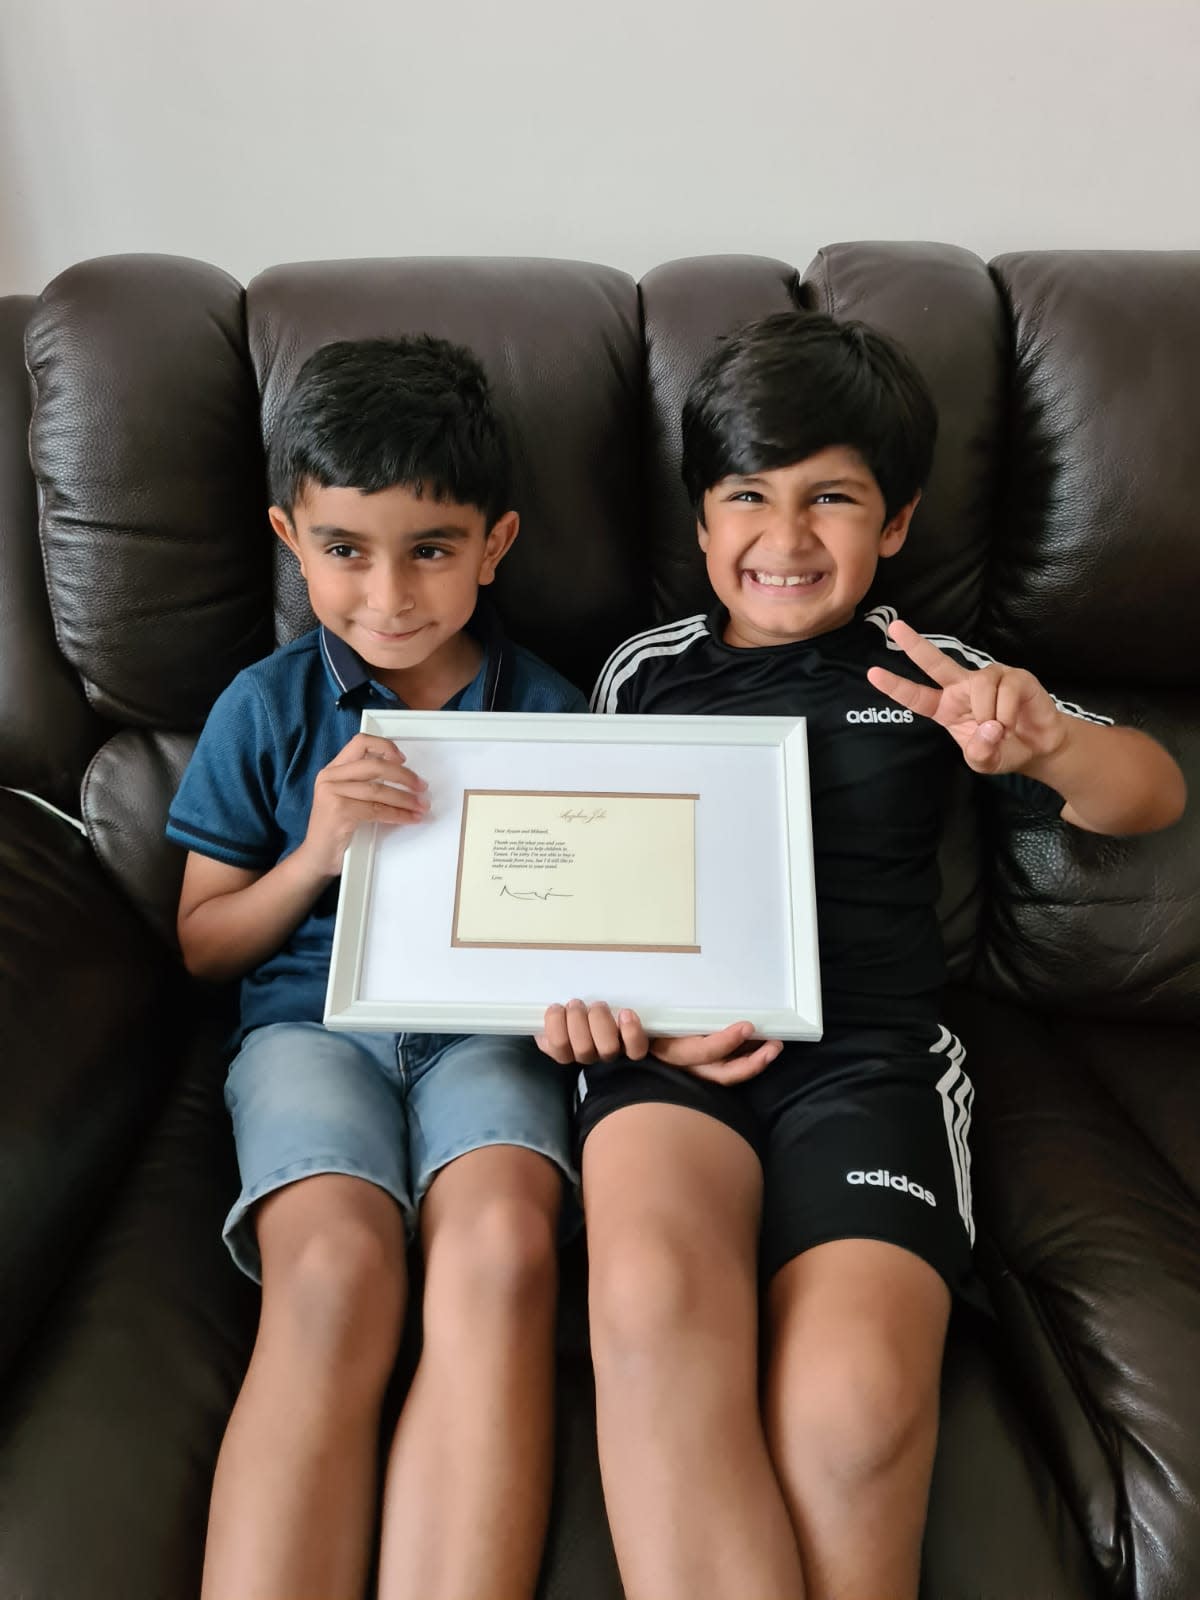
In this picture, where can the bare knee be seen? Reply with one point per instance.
(645, 1292)
(502, 1257)
(853, 1412)
(335, 1298)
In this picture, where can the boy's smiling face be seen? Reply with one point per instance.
(395, 574)
(791, 551)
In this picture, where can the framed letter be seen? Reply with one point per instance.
(662, 863)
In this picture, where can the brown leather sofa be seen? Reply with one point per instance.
(137, 575)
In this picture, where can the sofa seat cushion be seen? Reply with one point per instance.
(85, 992)
(1087, 1147)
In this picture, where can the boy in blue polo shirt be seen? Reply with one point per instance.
(389, 476)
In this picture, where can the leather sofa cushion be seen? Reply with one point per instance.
(1090, 1244)
(84, 995)
(1096, 571)
(145, 443)
(47, 731)
(1103, 926)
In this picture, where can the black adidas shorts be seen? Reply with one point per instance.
(861, 1135)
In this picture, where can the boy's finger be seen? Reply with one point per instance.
(383, 794)
(583, 1046)
(388, 779)
(394, 818)
(633, 1036)
(702, 1049)
(372, 794)
(368, 744)
(737, 1069)
(1016, 688)
(941, 668)
(377, 770)
(983, 686)
(359, 811)
(985, 750)
(918, 697)
(605, 1034)
(554, 1034)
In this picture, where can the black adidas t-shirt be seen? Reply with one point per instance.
(878, 775)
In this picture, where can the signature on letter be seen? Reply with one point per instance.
(534, 894)
(597, 815)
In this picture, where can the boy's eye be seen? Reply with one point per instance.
(833, 497)
(429, 552)
(751, 497)
(340, 552)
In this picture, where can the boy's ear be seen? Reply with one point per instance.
(497, 544)
(701, 526)
(895, 530)
(282, 525)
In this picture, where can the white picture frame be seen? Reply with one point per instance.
(396, 966)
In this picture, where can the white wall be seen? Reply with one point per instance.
(253, 131)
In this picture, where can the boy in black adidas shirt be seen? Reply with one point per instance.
(838, 1170)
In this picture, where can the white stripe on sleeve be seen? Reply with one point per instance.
(980, 658)
(625, 660)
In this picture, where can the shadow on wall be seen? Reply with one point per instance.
(47, 160)
(17, 252)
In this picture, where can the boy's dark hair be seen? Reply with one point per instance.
(371, 414)
(780, 389)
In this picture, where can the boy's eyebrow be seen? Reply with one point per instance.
(847, 478)
(323, 530)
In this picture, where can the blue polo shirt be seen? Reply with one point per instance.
(247, 792)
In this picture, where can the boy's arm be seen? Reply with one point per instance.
(1112, 780)
(232, 918)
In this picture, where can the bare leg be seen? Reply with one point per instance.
(468, 1483)
(856, 1330)
(672, 1200)
(293, 1504)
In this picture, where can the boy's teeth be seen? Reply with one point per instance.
(777, 581)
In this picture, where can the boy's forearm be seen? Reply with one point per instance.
(1113, 780)
(230, 934)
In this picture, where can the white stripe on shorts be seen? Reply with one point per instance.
(958, 1095)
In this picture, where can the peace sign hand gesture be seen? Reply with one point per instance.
(1000, 716)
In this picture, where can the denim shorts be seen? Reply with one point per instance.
(391, 1108)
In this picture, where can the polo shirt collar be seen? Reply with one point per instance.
(346, 670)
(351, 681)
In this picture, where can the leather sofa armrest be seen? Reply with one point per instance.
(85, 992)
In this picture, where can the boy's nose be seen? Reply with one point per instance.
(388, 593)
(791, 531)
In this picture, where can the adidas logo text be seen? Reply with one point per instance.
(875, 714)
(881, 1178)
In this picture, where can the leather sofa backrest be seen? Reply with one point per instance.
(146, 449)
(47, 730)
(1056, 530)
(1094, 584)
